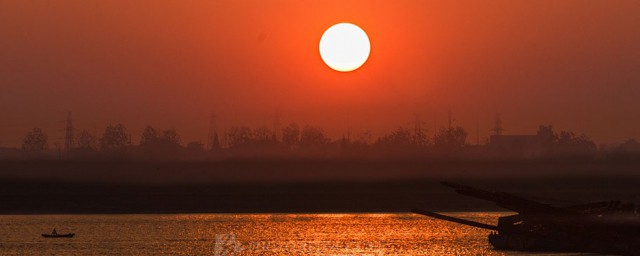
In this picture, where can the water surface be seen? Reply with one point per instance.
(246, 234)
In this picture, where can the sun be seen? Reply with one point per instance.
(344, 47)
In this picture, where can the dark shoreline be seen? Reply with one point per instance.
(46, 197)
(302, 185)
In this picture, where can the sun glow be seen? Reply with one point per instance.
(344, 47)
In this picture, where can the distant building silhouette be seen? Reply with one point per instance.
(523, 145)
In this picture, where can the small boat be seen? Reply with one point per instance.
(55, 234)
(67, 235)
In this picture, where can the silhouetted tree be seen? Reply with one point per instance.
(291, 135)
(399, 138)
(365, 137)
(313, 136)
(565, 142)
(195, 147)
(358, 146)
(238, 136)
(629, 147)
(568, 143)
(87, 142)
(547, 136)
(264, 136)
(420, 138)
(35, 142)
(171, 137)
(149, 137)
(114, 140)
(450, 138)
(165, 145)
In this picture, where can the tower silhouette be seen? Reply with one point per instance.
(213, 142)
(497, 126)
(477, 133)
(68, 136)
(419, 133)
(276, 126)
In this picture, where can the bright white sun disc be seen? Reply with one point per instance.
(344, 47)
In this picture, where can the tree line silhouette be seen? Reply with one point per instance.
(306, 141)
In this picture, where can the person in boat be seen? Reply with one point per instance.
(54, 232)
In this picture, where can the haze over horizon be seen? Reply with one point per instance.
(572, 64)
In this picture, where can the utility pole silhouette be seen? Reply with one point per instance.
(497, 126)
(417, 129)
(435, 129)
(450, 120)
(68, 136)
(213, 142)
(276, 126)
(477, 133)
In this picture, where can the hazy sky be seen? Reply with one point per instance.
(572, 64)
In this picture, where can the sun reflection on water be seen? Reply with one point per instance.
(247, 234)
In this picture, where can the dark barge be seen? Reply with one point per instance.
(608, 227)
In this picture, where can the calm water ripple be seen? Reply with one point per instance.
(246, 234)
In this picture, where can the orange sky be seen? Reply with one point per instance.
(573, 64)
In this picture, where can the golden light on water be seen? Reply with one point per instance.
(250, 234)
